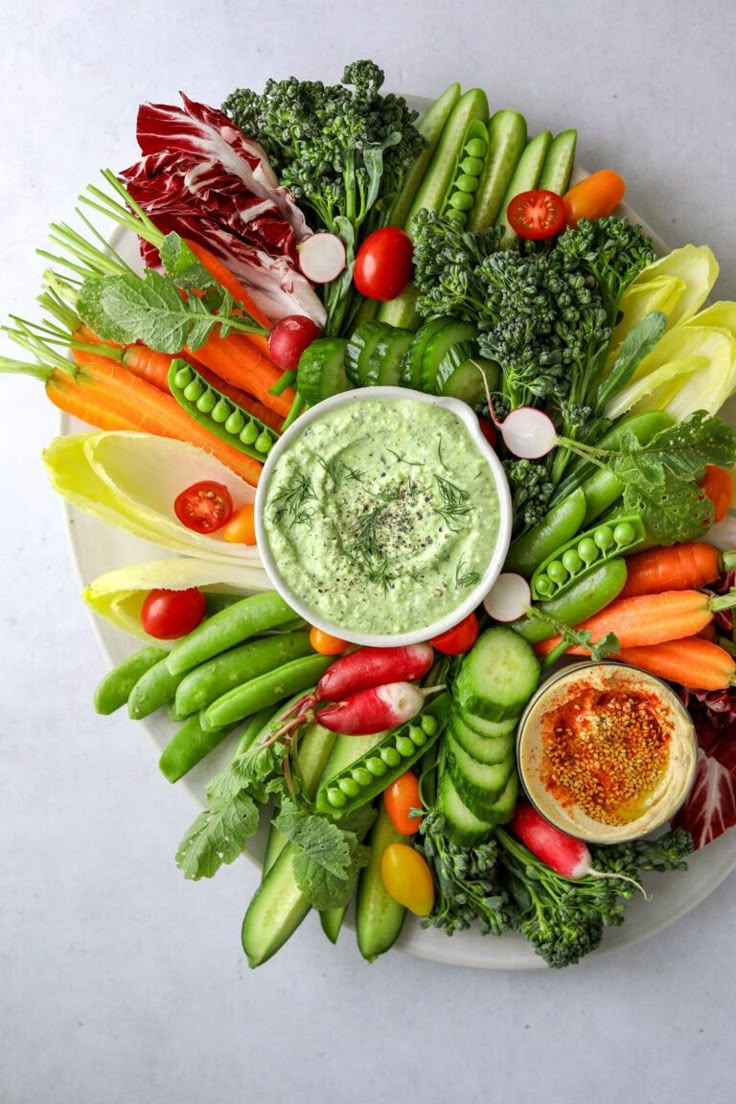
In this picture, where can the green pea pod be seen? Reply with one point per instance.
(617, 536)
(265, 690)
(559, 525)
(370, 774)
(219, 414)
(210, 680)
(590, 593)
(113, 691)
(250, 616)
(154, 689)
(187, 747)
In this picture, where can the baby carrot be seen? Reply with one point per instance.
(692, 661)
(680, 567)
(649, 619)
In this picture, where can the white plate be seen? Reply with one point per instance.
(97, 548)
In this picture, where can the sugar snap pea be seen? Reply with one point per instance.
(359, 782)
(188, 746)
(559, 525)
(265, 690)
(219, 414)
(250, 616)
(618, 536)
(113, 691)
(210, 680)
(155, 688)
(588, 594)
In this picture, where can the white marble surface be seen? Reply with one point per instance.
(120, 982)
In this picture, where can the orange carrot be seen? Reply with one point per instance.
(148, 365)
(224, 276)
(89, 403)
(683, 566)
(237, 360)
(719, 489)
(691, 661)
(648, 619)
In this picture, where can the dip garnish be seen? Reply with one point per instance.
(605, 750)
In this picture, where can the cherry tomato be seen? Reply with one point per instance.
(204, 507)
(383, 265)
(399, 799)
(459, 639)
(325, 644)
(169, 614)
(241, 528)
(536, 214)
(407, 878)
(489, 431)
(719, 489)
(596, 196)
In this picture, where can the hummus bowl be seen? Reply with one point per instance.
(383, 516)
(606, 752)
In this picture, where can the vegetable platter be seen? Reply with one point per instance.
(459, 257)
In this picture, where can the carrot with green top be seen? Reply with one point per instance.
(679, 567)
(692, 661)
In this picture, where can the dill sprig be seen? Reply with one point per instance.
(292, 502)
(455, 503)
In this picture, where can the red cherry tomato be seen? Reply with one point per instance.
(169, 614)
(489, 431)
(536, 214)
(458, 640)
(383, 265)
(399, 799)
(204, 507)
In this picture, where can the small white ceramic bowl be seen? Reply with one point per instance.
(471, 600)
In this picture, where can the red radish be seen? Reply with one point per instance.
(508, 598)
(562, 853)
(527, 432)
(369, 667)
(321, 257)
(289, 338)
(374, 710)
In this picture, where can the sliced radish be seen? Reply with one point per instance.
(527, 432)
(321, 257)
(508, 598)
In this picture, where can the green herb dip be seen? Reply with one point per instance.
(382, 514)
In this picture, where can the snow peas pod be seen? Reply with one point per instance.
(590, 593)
(113, 691)
(210, 680)
(219, 414)
(250, 616)
(155, 688)
(265, 690)
(370, 774)
(610, 538)
(559, 525)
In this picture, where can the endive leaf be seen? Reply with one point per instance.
(654, 390)
(131, 480)
(695, 265)
(119, 595)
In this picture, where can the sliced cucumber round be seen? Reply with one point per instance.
(497, 676)
(462, 371)
(462, 826)
(438, 346)
(480, 747)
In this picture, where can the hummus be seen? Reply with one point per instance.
(606, 752)
(382, 515)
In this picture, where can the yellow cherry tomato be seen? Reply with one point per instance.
(325, 644)
(241, 528)
(407, 878)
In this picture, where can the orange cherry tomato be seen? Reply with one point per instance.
(241, 528)
(594, 197)
(399, 799)
(325, 644)
(458, 639)
(719, 489)
(407, 878)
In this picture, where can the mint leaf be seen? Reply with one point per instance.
(217, 836)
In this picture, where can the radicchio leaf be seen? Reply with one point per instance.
(201, 177)
(711, 807)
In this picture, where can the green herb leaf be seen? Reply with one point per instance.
(329, 856)
(599, 649)
(637, 344)
(217, 836)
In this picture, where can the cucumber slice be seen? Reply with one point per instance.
(478, 784)
(276, 911)
(436, 348)
(384, 366)
(430, 126)
(459, 377)
(490, 730)
(480, 747)
(497, 677)
(360, 349)
(559, 162)
(321, 370)
(526, 175)
(275, 844)
(331, 920)
(462, 826)
(378, 917)
(411, 366)
(503, 807)
(402, 311)
(507, 138)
